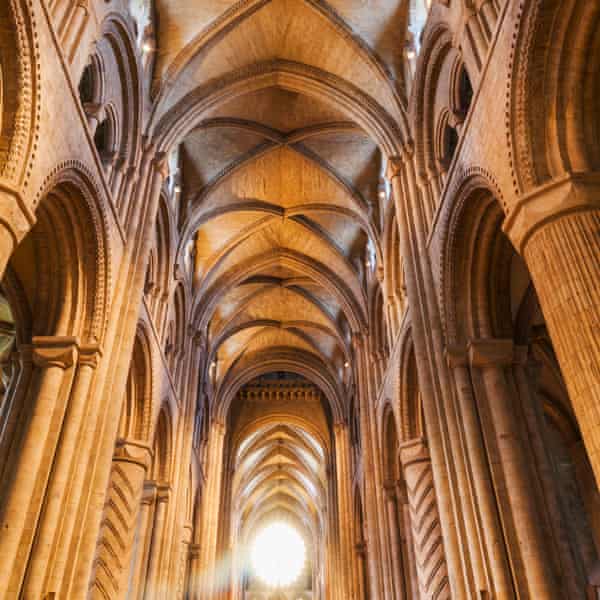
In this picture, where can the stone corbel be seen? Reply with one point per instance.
(491, 352)
(414, 451)
(133, 451)
(57, 351)
(572, 193)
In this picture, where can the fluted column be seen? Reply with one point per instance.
(535, 572)
(556, 229)
(427, 531)
(23, 495)
(113, 557)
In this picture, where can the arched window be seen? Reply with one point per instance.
(464, 91)
(87, 86)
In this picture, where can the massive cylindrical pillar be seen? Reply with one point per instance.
(556, 230)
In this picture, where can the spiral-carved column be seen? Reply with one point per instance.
(427, 532)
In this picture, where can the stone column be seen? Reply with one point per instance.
(396, 546)
(491, 357)
(211, 501)
(556, 229)
(409, 558)
(183, 562)
(427, 531)
(153, 582)
(371, 514)
(145, 521)
(48, 556)
(346, 559)
(491, 527)
(22, 498)
(443, 430)
(115, 545)
(193, 583)
(361, 553)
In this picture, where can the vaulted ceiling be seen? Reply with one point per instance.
(280, 110)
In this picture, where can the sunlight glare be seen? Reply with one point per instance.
(278, 554)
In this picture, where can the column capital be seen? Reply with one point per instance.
(133, 451)
(340, 426)
(89, 355)
(456, 356)
(163, 492)
(491, 352)
(57, 351)
(414, 451)
(550, 202)
(149, 493)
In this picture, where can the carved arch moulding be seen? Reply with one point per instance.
(19, 91)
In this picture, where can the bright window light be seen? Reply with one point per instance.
(277, 554)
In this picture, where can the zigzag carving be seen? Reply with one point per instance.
(117, 530)
(427, 532)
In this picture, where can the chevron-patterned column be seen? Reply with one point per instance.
(117, 533)
(427, 532)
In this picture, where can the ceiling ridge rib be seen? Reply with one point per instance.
(294, 290)
(379, 124)
(322, 274)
